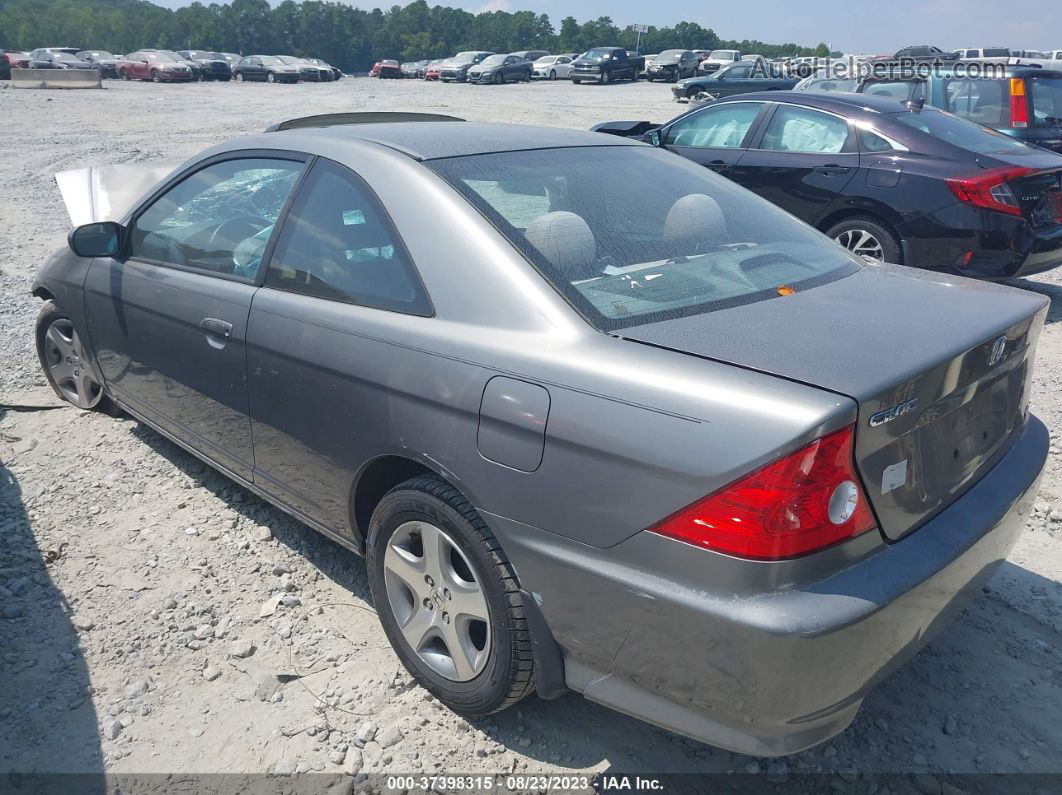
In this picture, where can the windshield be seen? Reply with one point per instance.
(829, 84)
(192, 54)
(1045, 94)
(465, 57)
(597, 55)
(726, 55)
(287, 59)
(960, 132)
(669, 55)
(686, 242)
(102, 55)
(62, 56)
(493, 60)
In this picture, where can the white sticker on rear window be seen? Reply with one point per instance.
(893, 477)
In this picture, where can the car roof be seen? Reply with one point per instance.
(430, 140)
(837, 101)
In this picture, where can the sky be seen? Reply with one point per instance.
(850, 27)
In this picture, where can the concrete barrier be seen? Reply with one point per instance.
(55, 78)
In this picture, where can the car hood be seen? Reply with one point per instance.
(106, 193)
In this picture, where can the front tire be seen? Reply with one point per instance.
(605, 79)
(65, 362)
(499, 78)
(270, 77)
(866, 236)
(448, 598)
(123, 74)
(155, 78)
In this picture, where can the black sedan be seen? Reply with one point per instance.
(672, 66)
(741, 78)
(105, 61)
(891, 181)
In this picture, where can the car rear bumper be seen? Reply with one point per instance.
(747, 655)
(999, 246)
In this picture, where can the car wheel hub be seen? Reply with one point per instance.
(437, 601)
(65, 358)
(861, 243)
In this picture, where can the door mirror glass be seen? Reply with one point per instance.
(653, 137)
(96, 240)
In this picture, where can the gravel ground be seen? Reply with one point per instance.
(133, 578)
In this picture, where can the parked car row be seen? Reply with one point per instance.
(169, 66)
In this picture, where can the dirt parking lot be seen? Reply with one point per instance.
(133, 578)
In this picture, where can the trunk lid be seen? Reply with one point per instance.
(939, 367)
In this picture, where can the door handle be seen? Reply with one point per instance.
(831, 170)
(717, 165)
(216, 328)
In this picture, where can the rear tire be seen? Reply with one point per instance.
(66, 364)
(865, 235)
(497, 668)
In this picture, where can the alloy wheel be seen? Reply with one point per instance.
(437, 601)
(861, 243)
(68, 366)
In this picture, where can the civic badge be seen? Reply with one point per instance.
(892, 412)
(999, 347)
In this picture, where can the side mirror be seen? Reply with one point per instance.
(102, 239)
(653, 137)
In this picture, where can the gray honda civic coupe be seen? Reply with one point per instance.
(669, 447)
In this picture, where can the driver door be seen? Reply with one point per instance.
(168, 318)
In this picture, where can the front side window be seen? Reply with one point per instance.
(686, 242)
(796, 129)
(217, 220)
(337, 243)
(721, 127)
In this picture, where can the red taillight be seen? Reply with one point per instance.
(990, 189)
(805, 501)
(1019, 106)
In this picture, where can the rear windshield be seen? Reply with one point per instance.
(960, 132)
(686, 241)
(830, 84)
(1045, 93)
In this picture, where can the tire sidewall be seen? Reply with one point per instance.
(48, 315)
(890, 246)
(483, 693)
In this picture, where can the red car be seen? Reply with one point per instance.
(433, 71)
(385, 69)
(154, 66)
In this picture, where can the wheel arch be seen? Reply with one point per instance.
(875, 210)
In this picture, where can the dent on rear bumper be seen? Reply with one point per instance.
(766, 658)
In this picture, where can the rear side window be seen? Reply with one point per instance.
(337, 243)
(1045, 94)
(721, 127)
(794, 129)
(986, 102)
(686, 242)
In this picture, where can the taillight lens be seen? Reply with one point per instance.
(1019, 106)
(990, 189)
(803, 502)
